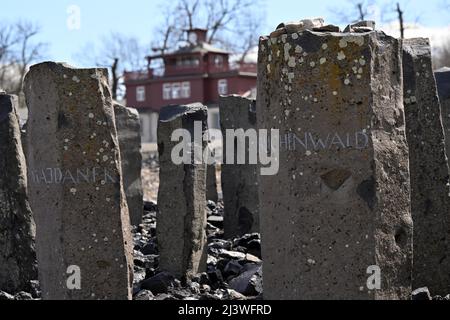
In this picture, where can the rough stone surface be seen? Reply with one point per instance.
(17, 229)
(443, 85)
(75, 184)
(430, 188)
(129, 133)
(340, 203)
(327, 28)
(239, 182)
(182, 195)
(299, 26)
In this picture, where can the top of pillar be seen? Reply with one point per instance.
(318, 25)
(417, 46)
(130, 112)
(172, 112)
(236, 97)
(61, 67)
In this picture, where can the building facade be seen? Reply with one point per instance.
(197, 72)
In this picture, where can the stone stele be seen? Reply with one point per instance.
(129, 132)
(430, 188)
(84, 243)
(17, 230)
(181, 221)
(239, 181)
(443, 85)
(336, 220)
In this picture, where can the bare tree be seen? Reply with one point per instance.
(117, 52)
(168, 34)
(18, 49)
(401, 21)
(234, 24)
(353, 11)
(7, 43)
(28, 50)
(190, 8)
(394, 12)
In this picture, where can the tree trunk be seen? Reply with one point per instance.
(400, 19)
(115, 78)
(362, 16)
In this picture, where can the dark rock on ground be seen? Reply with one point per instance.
(249, 282)
(229, 260)
(233, 268)
(150, 248)
(159, 283)
(235, 255)
(421, 294)
(216, 221)
(5, 296)
(23, 296)
(164, 297)
(439, 298)
(150, 206)
(144, 295)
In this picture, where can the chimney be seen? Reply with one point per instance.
(196, 36)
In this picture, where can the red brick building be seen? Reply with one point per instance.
(197, 72)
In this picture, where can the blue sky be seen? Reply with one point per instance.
(139, 17)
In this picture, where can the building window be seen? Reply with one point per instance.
(218, 61)
(223, 87)
(188, 62)
(140, 94)
(176, 91)
(167, 91)
(186, 90)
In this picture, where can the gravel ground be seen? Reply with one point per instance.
(234, 266)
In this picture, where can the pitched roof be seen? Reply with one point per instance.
(202, 48)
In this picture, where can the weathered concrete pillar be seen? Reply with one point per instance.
(443, 85)
(430, 189)
(335, 220)
(129, 133)
(84, 243)
(239, 181)
(211, 184)
(182, 192)
(17, 230)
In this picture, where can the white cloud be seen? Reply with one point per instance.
(439, 36)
